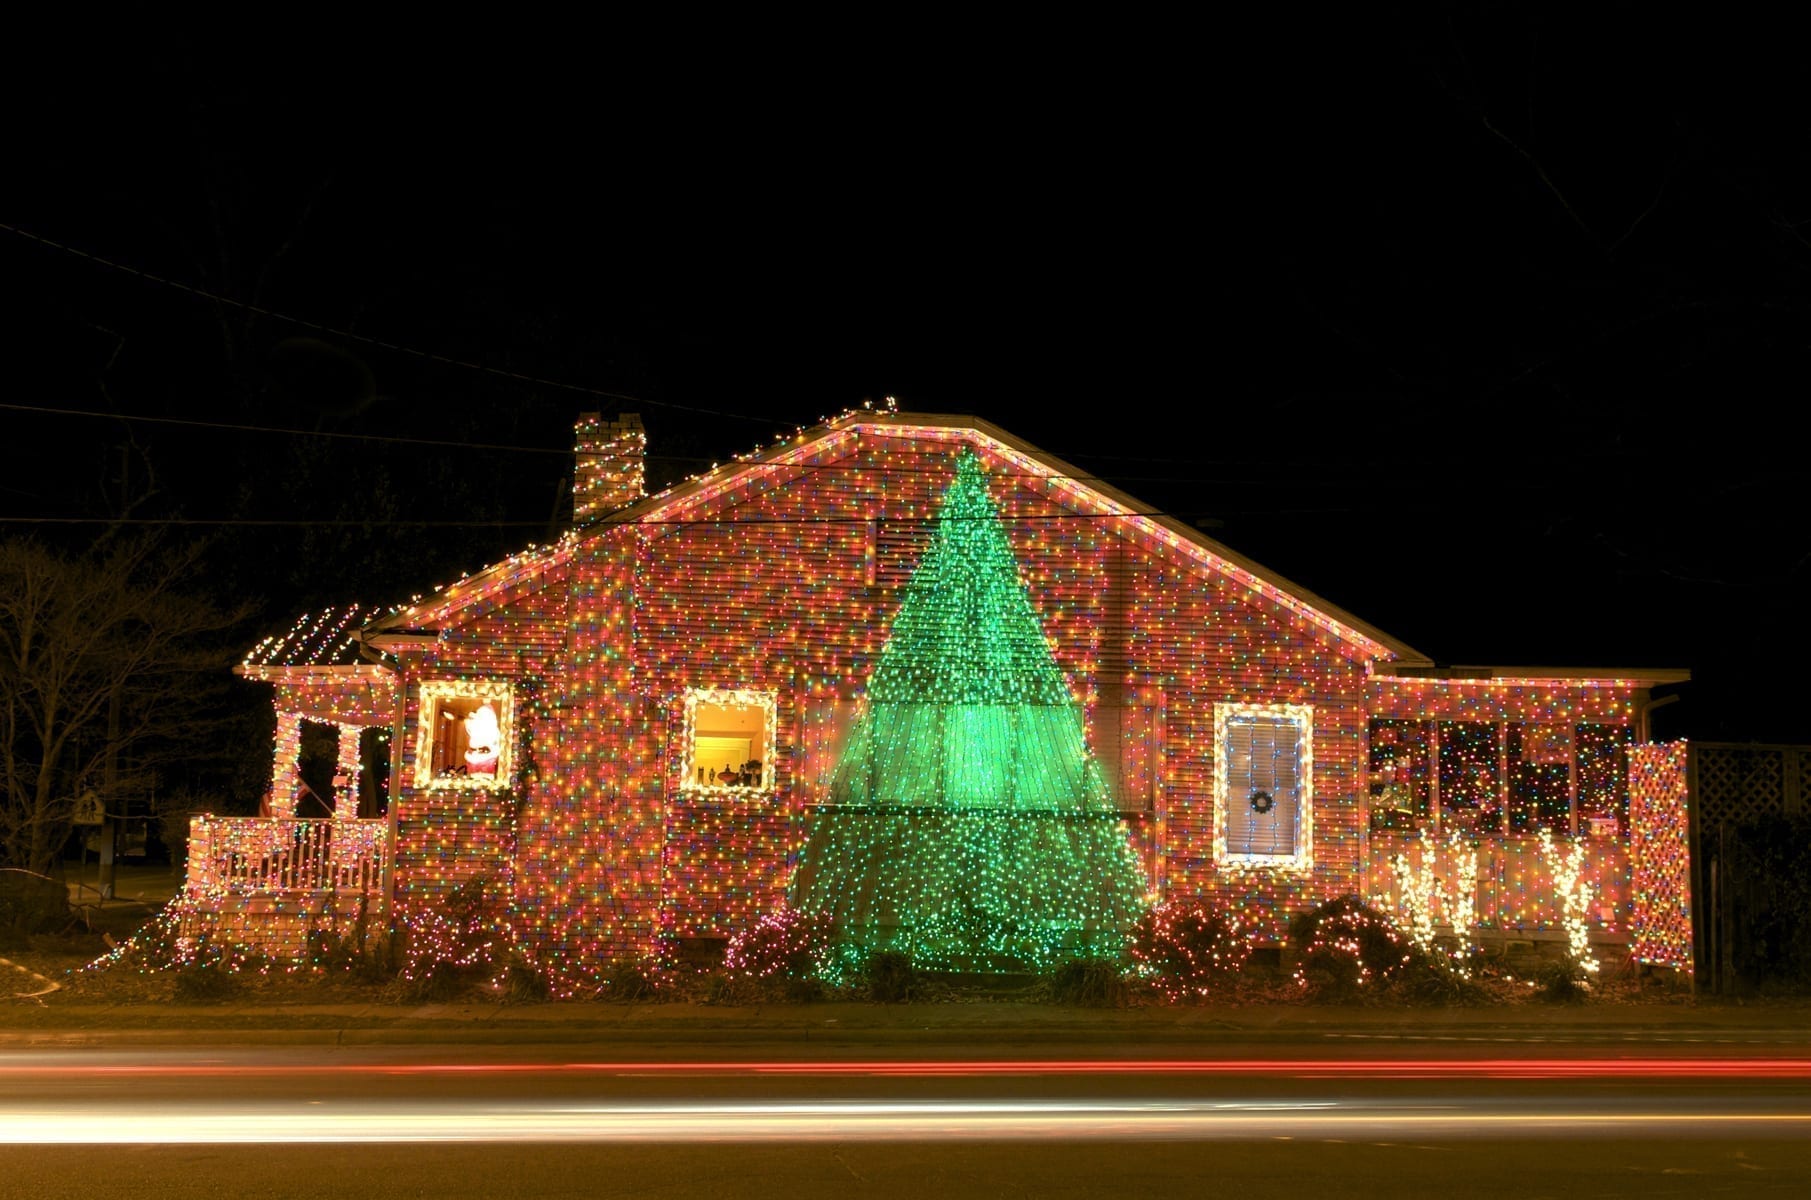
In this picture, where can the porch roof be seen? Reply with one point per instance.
(328, 638)
(320, 673)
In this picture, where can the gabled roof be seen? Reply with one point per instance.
(1066, 485)
(478, 588)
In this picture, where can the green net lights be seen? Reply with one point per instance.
(967, 823)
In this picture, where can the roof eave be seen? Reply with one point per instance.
(267, 672)
(1572, 676)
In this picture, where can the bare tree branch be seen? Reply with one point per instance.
(74, 633)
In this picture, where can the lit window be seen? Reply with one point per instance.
(1263, 785)
(729, 740)
(466, 736)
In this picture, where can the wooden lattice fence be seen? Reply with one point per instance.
(1733, 784)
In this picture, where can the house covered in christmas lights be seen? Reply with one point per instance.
(914, 674)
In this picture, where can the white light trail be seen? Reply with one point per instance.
(851, 1121)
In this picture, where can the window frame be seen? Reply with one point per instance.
(1302, 857)
(766, 701)
(432, 693)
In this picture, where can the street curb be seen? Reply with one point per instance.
(1007, 1027)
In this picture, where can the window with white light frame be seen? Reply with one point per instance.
(1264, 785)
(727, 742)
(466, 734)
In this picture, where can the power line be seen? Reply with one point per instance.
(498, 447)
(403, 523)
(387, 523)
(396, 347)
(392, 439)
(359, 437)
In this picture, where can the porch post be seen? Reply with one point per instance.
(346, 773)
(286, 760)
(1503, 775)
(1433, 775)
(1572, 784)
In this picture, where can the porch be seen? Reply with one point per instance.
(269, 884)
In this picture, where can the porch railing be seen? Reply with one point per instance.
(252, 856)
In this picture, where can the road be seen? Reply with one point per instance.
(1249, 1121)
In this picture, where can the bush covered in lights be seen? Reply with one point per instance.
(631, 980)
(451, 942)
(1345, 947)
(1189, 952)
(785, 943)
(165, 944)
(1350, 951)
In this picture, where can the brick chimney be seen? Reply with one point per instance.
(609, 458)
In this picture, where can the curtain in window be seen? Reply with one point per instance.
(1263, 784)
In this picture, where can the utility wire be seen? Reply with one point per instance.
(357, 437)
(1364, 473)
(369, 341)
(299, 523)
(394, 523)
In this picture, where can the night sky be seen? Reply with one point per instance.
(1491, 330)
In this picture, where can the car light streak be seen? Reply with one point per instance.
(1495, 1068)
(849, 1121)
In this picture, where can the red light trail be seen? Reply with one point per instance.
(1415, 1068)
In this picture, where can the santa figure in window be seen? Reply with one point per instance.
(486, 740)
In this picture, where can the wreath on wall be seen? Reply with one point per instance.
(1262, 802)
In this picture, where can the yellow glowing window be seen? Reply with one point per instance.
(728, 740)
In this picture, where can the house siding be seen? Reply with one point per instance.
(771, 582)
(777, 596)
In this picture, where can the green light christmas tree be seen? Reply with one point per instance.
(967, 824)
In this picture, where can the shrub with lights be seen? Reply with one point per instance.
(632, 980)
(785, 943)
(1573, 894)
(1188, 952)
(1440, 888)
(453, 941)
(348, 949)
(1347, 949)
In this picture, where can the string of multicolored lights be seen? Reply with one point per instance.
(763, 576)
(1659, 803)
